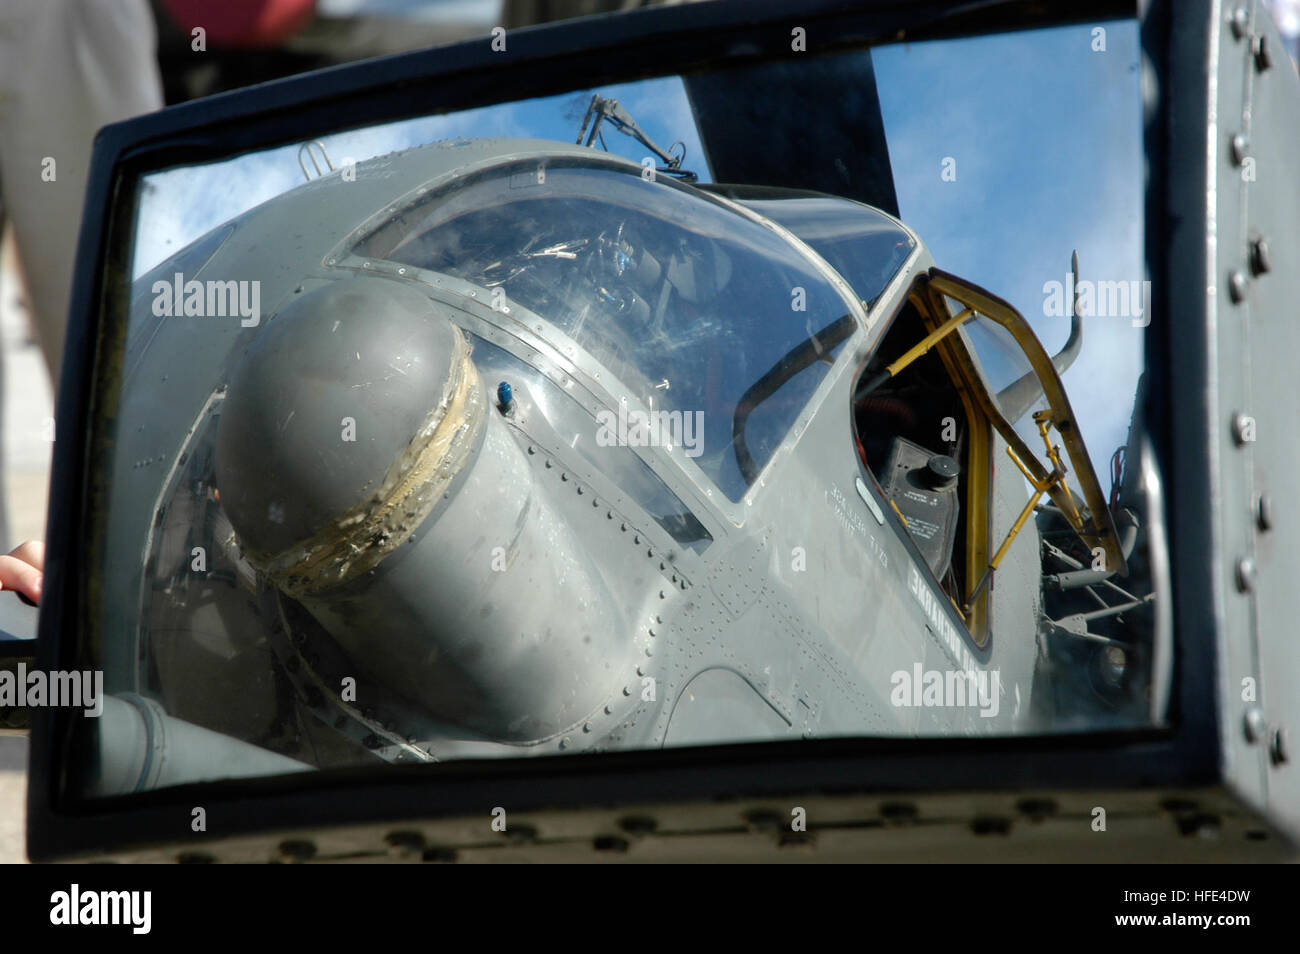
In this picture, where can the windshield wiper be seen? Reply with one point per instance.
(609, 110)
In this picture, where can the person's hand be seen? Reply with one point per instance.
(22, 570)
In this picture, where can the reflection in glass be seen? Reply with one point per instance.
(388, 521)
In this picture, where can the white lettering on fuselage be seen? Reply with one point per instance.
(852, 520)
(940, 624)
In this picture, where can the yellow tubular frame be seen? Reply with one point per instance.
(1096, 527)
(979, 464)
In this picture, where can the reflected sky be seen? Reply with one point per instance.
(179, 205)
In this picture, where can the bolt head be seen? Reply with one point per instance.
(1240, 423)
(1255, 725)
(1278, 750)
(1261, 259)
(1240, 148)
(1245, 574)
(1237, 286)
(1240, 22)
(1264, 512)
(1263, 58)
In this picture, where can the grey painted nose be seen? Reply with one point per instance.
(367, 476)
(331, 394)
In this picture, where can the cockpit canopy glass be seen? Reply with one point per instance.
(686, 301)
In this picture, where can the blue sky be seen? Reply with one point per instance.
(1046, 134)
(179, 205)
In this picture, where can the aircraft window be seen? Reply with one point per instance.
(954, 362)
(861, 243)
(688, 304)
(1000, 361)
(1046, 445)
(914, 435)
(1001, 365)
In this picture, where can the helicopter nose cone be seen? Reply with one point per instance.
(328, 407)
(367, 478)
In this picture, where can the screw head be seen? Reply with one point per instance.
(1240, 22)
(1278, 750)
(1245, 574)
(1264, 512)
(1237, 286)
(1240, 148)
(1255, 725)
(1261, 259)
(1263, 58)
(1240, 428)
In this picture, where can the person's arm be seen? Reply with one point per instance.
(22, 570)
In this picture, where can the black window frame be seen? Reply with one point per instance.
(551, 59)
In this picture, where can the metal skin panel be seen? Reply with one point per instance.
(1229, 390)
(1255, 195)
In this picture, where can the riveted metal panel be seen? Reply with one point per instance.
(1258, 216)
